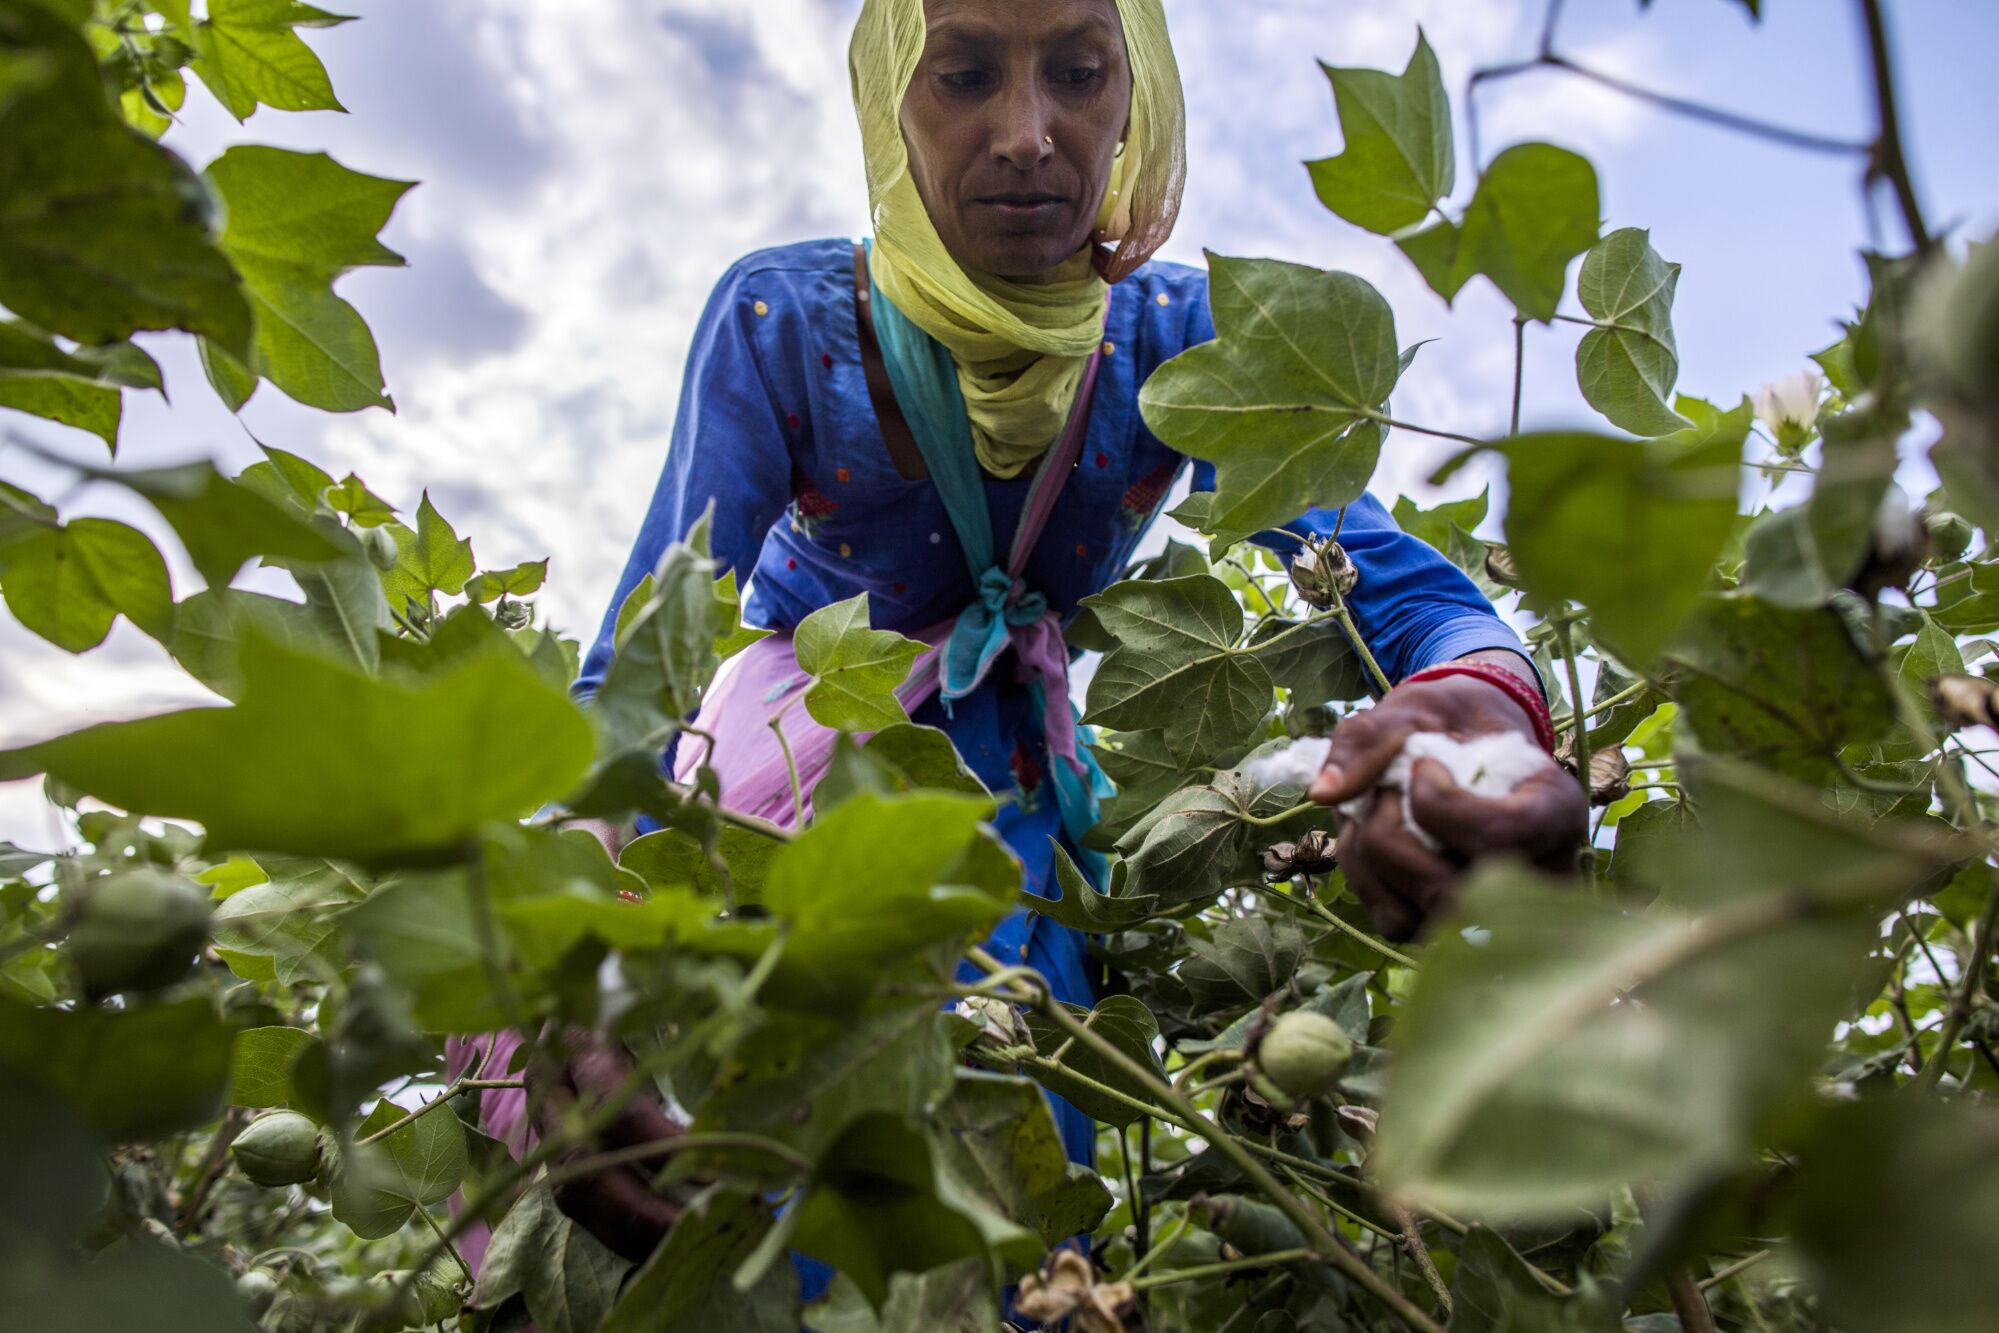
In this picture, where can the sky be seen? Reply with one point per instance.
(589, 168)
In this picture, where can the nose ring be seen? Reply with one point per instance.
(1048, 138)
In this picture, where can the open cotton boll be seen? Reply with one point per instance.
(1298, 762)
(1489, 765)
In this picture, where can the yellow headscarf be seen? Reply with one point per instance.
(1020, 346)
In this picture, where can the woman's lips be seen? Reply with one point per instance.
(1024, 207)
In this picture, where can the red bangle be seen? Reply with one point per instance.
(1516, 689)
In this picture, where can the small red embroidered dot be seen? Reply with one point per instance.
(902, 587)
(1103, 460)
(843, 475)
(826, 360)
(1082, 549)
(794, 421)
(791, 564)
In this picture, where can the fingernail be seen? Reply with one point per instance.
(1328, 780)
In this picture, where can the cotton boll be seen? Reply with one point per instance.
(1491, 765)
(1298, 762)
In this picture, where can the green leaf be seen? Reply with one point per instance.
(69, 583)
(296, 222)
(289, 917)
(958, 1297)
(223, 524)
(103, 233)
(567, 1277)
(1286, 401)
(260, 1065)
(1176, 660)
(688, 1281)
(247, 53)
(904, 757)
(855, 670)
(1627, 364)
(1895, 1200)
(872, 1209)
(1082, 908)
(1856, 469)
(1435, 526)
(673, 856)
(667, 651)
(521, 581)
(1003, 1136)
(1629, 528)
(1535, 209)
(401, 768)
(1128, 1025)
(1528, 1075)
(1399, 159)
(1788, 689)
(1241, 962)
(1496, 1292)
(874, 881)
(381, 1186)
(1313, 664)
(131, 1074)
(1782, 563)
(75, 388)
(430, 559)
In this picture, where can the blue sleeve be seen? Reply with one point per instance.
(1414, 607)
(728, 447)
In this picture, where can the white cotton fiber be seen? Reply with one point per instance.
(1489, 765)
(1298, 762)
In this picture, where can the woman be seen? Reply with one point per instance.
(1024, 161)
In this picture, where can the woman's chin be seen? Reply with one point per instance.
(1022, 258)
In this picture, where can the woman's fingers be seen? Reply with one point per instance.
(1401, 882)
(1541, 819)
(618, 1207)
(1359, 752)
(599, 1069)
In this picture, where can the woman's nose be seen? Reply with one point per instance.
(1022, 138)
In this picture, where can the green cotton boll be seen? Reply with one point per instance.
(281, 1148)
(137, 930)
(1304, 1054)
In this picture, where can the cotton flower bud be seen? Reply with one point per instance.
(1965, 701)
(1003, 1033)
(136, 930)
(380, 544)
(1499, 566)
(1357, 1122)
(1311, 854)
(1789, 406)
(1322, 573)
(512, 614)
(1950, 534)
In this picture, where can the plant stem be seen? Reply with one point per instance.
(1271, 821)
(791, 768)
(1739, 1266)
(1200, 1271)
(1520, 343)
(1688, 1303)
(462, 1085)
(1623, 696)
(1564, 637)
(446, 1242)
(1412, 1244)
(1353, 932)
(487, 927)
(1360, 644)
(1172, 1233)
(1889, 160)
(1968, 985)
(1325, 1244)
(1390, 423)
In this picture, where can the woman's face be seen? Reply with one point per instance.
(1013, 118)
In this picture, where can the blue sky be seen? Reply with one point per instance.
(589, 168)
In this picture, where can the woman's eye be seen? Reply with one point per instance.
(964, 80)
(1081, 75)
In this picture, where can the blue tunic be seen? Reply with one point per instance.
(776, 428)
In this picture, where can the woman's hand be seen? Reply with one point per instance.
(617, 1205)
(1402, 883)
